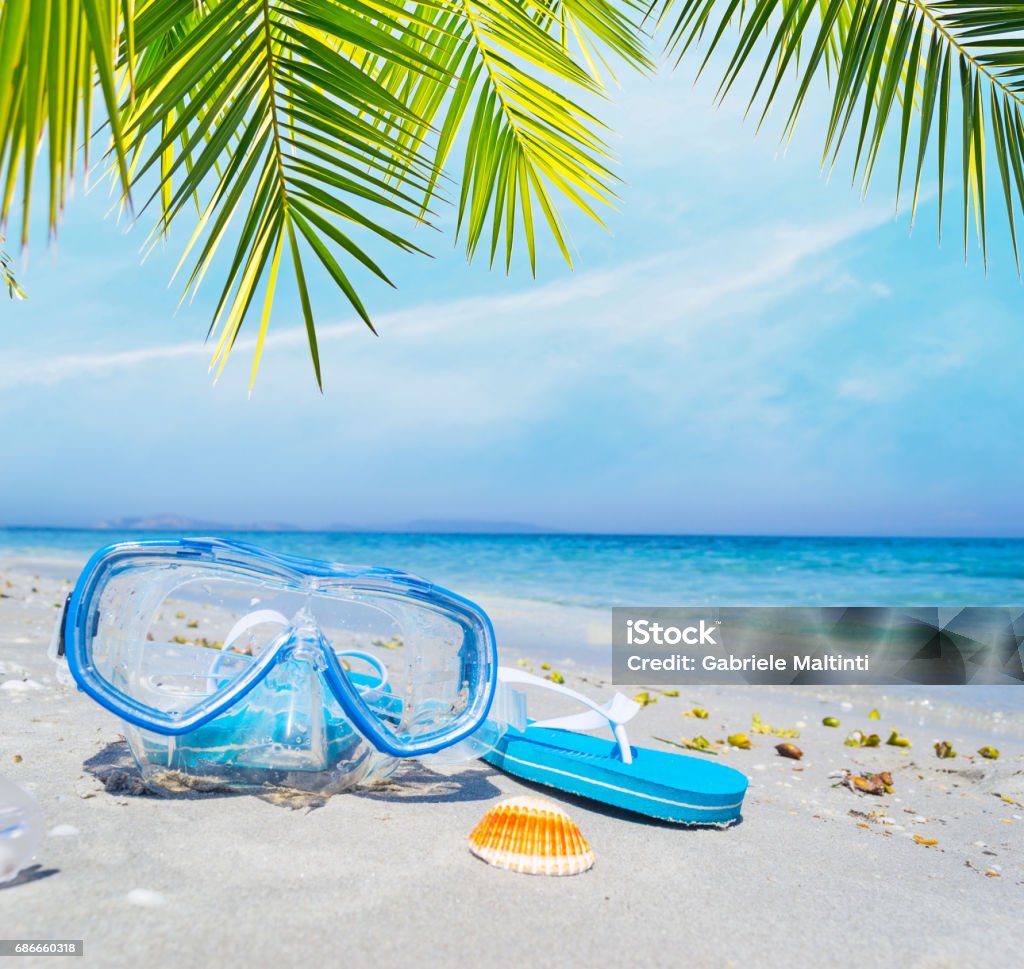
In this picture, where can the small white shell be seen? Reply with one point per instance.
(531, 835)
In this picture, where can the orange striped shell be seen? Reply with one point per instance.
(531, 835)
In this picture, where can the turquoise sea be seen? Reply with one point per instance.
(550, 594)
(600, 571)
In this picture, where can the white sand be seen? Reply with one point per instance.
(384, 877)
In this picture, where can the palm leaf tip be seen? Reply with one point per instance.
(889, 64)
(7, 276)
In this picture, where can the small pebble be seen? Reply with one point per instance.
(145, 898)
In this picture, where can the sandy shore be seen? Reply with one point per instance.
(815, 876)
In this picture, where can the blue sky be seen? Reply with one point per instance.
(751, 349)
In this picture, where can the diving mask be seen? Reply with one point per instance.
(250, 667)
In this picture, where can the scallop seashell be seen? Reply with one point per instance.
(531, 835)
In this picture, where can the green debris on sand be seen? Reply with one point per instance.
(757, 725)
(858, 738)
(395, 642)
(895, 740)
(701, 744)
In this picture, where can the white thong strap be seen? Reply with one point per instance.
(614, 714)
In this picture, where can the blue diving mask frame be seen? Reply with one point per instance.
(251, 667)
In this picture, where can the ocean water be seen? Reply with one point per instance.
(548, 593)
(599, 571)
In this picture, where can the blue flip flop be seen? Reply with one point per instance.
(655, 783)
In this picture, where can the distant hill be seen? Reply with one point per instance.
(450, 526)
(471, 526)
(179, 523)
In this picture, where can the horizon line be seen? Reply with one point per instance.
(538, 531)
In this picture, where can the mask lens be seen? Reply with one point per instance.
(168, 637)
(435, 659)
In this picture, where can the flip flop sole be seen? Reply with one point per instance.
(658, 784)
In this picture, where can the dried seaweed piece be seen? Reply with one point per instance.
(789, 750)
(859, 739)
(670, 693)
(868, 783)
(895, 740)
(699, 712)
(644, 698)
(757, 725)
(989, 753)
(740, 740)
(556, 677)
(700, 744)
(830, 722)
(927, 842)
(944, 750)
(873, 715)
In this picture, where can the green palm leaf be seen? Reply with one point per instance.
(7, 278)
(503, 70)
(892, 64)
(254, 100)
(295, 130)
(52, 55)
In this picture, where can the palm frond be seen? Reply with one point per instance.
(53, 53)
(891, 64)
(296, 129)
(251, 105)
(505, 70)
(7, 277)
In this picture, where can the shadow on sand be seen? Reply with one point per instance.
(115, 768)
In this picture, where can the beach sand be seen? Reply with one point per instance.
(815, 876)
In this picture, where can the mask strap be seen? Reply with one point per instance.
(256, 618)
(371, 660)
(261, 617)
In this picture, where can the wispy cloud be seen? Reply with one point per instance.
(674, 294)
